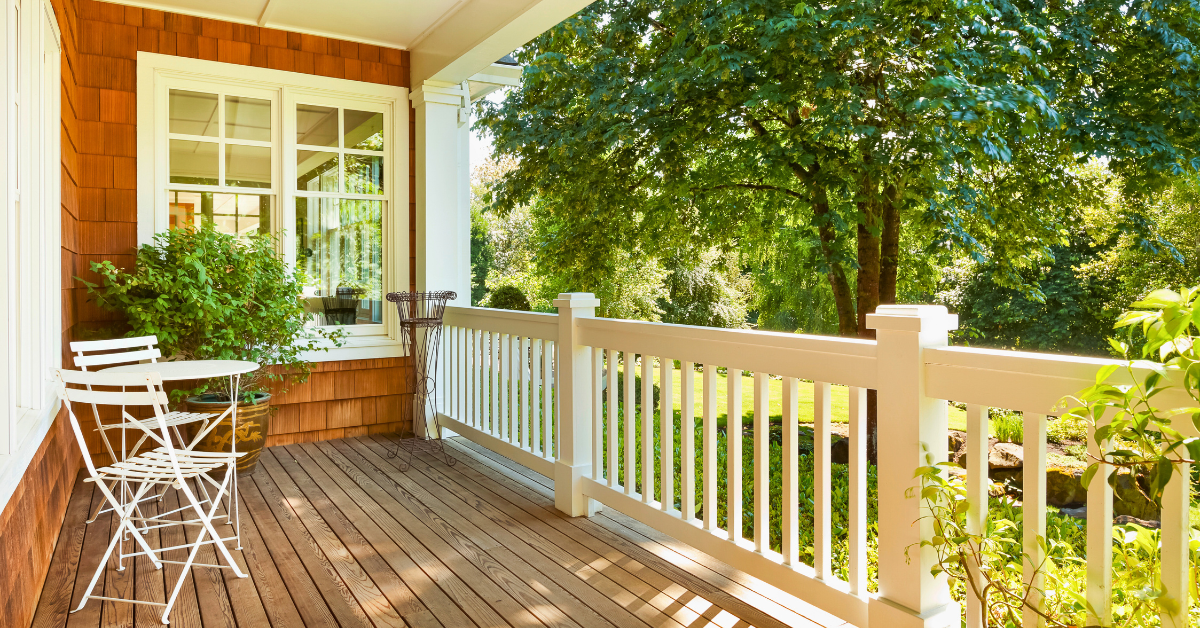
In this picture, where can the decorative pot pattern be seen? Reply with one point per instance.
(253, 423)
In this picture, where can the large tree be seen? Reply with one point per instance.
(841, 124)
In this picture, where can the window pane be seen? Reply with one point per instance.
(239, 214)
(364, 130)
(339, 244)
(364, 174)
(316, 172)
(193, 113)
(247, 166)
(194, 162)
(247, 118)
(316, 125)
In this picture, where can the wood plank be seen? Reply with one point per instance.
(374, 603)
(325, 475)
(309, 601)
(276, 600)
(248, 608)
(402, 599)
(571, 556)
(682, 564)
(55, 601)
(384, 490)
(388, 515)
(341, 602)
(216, 609)
(149, 585)
(118, 583)
(658, 590)
(543, 595)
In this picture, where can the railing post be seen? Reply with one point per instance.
(909, 424)
(574, 393)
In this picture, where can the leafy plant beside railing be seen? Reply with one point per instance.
(210, 295)
(1134, 435)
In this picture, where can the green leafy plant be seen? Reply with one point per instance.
(1009, 427)
(1142, 435)
(508, 298)
(210, 295)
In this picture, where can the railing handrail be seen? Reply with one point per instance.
(848, 361)
(524, 324)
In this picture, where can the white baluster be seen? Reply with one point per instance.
(791, 471)
(523, 362)
(647, 429)
(666, 434)
(1099, 534)
(687, 441)
(709, 447)
(497, 427)
(733, 453)
(822, 486)
(1175, 536)
(762, 481)
(857, 570)
(477, 378)
(630, 462)
(597, 414)
(612, 418)
(514, 377)
(548, 383)
(535, 366)
(977, 498)
(1033, 514)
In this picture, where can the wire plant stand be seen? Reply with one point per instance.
(421, 332)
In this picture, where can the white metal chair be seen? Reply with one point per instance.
(165, 466)
(104, 353)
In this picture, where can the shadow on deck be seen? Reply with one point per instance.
(336, 535)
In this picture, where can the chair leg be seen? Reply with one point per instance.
(183, 573)
(206, 519)
(126, 525)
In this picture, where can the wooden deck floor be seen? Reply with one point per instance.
(335, 535)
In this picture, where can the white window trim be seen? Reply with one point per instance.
(155, 69)
(24, 427)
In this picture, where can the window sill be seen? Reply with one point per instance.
(357, 348)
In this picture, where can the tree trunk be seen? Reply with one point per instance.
(847, 321)
(869, 286)
(889, 259)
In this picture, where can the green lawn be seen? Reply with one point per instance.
(839, 403)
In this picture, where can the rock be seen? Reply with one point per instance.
(1128, 500)
(1145, 523)
(1077, 513)
(1063, 487)
(954, 442)
(1006, 456)
(839, 451)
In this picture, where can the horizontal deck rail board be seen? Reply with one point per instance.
(523, 324)
(335, 534)
(845, 361)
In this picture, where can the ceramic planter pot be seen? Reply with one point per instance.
(253, 424)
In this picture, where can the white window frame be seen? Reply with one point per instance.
(157, 74)
(31, 211)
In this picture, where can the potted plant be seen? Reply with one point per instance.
(208, 295)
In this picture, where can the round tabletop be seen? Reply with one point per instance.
(188, 369)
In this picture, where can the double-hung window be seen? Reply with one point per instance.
(30, 250)
(320, 163)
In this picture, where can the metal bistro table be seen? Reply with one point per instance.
(205, 369)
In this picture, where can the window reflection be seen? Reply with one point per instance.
(364, 174)
(316, 125)
(316, 171)
(242, 215)
(194, 162)
(193, 113)
(339, 245)
(247, 118)
(364, 130)
(247, 166)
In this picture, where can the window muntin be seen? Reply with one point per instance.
(221, 158)
(340, 185)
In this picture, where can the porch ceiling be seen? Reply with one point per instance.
(449, 40)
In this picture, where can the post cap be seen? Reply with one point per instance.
(912, 318)
(576, 300)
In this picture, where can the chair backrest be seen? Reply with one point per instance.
(137, 389)
(115, 351)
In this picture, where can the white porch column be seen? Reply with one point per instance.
(909, 597)
(574, 406)
(443, 190)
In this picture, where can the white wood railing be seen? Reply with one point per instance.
(543, 390)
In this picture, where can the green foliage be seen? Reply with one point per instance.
(841, 127)
(508, 298)
(481, 254)
(207, 295)
(1166, 324)
(1008, 427)
(705, 289)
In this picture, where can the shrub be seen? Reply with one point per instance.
(508, 298)
(207, 295)
(1009, 427)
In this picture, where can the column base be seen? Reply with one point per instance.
(568, 490)
(884, 614)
